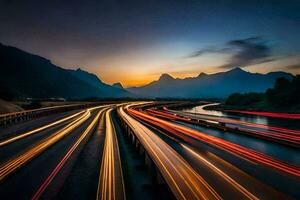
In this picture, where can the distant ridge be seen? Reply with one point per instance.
(24, 75)
(218, 85)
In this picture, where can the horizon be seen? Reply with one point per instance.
(134, 44)
(159, 76)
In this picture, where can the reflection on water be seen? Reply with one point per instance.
(279, 151)
(286, 123)
(200, 110)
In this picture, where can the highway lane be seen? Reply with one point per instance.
(23, 179)
(67, 156)
(111, 184)
(283, 135)
(223, 144)
(84, 165)
(20, 160)
(25, 126)
(286, 181)
(184, 182)
(12, 139)
(269, 147)
(15, 145)
(280, 181)
(228, 180)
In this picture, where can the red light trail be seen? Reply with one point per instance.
(219, 143)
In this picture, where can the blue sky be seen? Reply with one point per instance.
(135, 41)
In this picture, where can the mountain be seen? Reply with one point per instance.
(118, 85)
(219, 85)
(24, 75)
(94, 81)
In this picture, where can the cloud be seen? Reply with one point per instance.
(248, 51)
(244, 52)
(209, 50)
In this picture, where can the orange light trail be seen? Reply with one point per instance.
(15, 163)
(48, 180)
(110, 183)
(21, 136)
(231, 181)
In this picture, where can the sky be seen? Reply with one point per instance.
(135, 41)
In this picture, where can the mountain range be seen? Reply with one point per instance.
(24, 75)
(218, 85)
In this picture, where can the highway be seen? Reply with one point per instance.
(252, 161)
(268, 132)
(44, 166)
(78, 153)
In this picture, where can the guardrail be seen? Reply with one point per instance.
(15, 117)
(151, 167)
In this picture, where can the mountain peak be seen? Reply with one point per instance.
(202, 74)
(165, 77)
(118, 85)
(236, 70)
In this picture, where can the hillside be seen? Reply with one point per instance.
(24, 75)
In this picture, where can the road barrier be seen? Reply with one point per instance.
(15, 117)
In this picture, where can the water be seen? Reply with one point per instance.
(279, 151)
(285, 123)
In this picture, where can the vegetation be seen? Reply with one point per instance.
(284, 96)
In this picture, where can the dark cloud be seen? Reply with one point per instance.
(243, 52)
(248, 51)
(210, 50)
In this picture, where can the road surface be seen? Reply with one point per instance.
(76, 154)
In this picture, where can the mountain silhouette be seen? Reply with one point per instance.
(218, 85)
(118, 85)
(94, 81)
(24, 75)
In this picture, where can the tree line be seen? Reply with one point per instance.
(284, 96)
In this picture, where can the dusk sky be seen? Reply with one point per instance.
(135, 41)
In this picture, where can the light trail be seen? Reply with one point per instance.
(183, 181)
(223, 175)
(267, 114)
(220, 143)
(110, 183)
(21, 136)
(58, 167)
(15, 163)
(281, 137)
(238, 122)
(231, 181)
